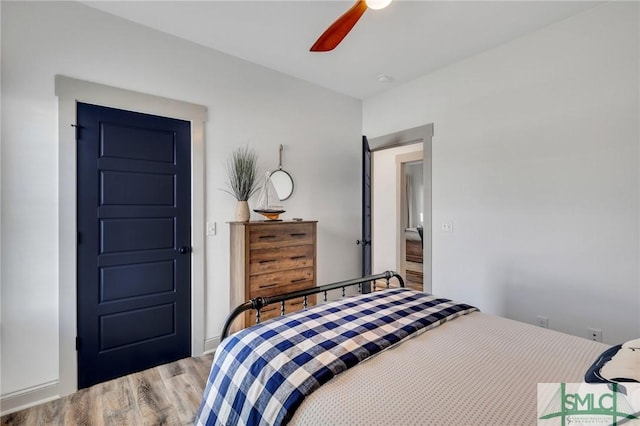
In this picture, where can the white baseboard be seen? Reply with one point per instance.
(25, 398)
(210, 345)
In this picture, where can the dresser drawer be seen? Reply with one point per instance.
(274, 309)
(271, 260)
(414, 251)
(272, 291)
(270, 236)
(281, 282)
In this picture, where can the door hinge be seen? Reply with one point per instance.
(77, 129)
(77, 343)
(79, 239)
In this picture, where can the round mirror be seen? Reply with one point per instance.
(283, 183)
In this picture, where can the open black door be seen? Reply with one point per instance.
(365, 242)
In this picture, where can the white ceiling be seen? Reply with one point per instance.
(406, 40)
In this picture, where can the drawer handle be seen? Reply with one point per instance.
(297, 280)
(297, 257)
(298, 234)
(267, 261)
(267, 236)
(268, 285)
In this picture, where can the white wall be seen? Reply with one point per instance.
(536, 161)
(321, 131)
(384, 223)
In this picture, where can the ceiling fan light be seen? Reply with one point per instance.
(377, 4)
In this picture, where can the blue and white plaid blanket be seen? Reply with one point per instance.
(261, 374)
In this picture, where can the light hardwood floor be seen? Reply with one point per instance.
(169, 394)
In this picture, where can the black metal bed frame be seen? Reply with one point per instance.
(260, 302)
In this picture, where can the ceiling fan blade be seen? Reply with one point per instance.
(340, 28)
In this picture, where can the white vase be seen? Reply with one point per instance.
(242, 211)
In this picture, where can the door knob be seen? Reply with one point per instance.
(184, 249)
(363, 242)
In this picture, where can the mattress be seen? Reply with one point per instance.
(479, 369)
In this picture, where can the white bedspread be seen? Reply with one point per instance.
(477, 370)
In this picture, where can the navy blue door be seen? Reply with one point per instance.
(134, 239)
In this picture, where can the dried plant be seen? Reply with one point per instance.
(242, 171)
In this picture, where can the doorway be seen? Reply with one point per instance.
(410, 218)
(70, 91)
(389, 230)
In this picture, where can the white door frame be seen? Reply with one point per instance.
(69, 92)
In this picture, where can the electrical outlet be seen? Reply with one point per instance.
(542, 321)
(595, 334)
(447, 226)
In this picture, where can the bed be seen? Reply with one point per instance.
(470, 369)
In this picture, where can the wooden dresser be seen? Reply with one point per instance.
(272, 257)
(413, 264)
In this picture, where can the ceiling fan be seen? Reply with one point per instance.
(341, 27)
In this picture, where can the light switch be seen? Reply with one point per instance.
(211, 228)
